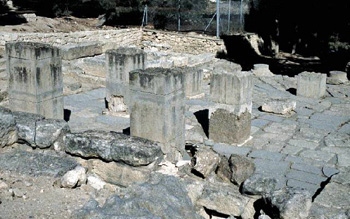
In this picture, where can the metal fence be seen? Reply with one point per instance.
(199, 19)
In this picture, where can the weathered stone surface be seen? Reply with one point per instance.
(205, 161)
(334, 195)
(8, 130)
(259, 184)
(74, 178)
(228, 127)
(223, 170)
(119, 174)
(113, 147)
(36, 164)
(223, 199)
(262, 70)
(311, 84)
(279, 106)
(242, 168)
(49, 132)
(162, 197)
(291, 203)
(79, 50)
(26, 126)
(337, 77)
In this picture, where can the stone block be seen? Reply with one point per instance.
(158, 108)
(232, 87)
(75, 51)
(228, 127)
(193, 81)
(311, 84)
(262, 70)
(337, 77)
(35, 78)
(119, 63)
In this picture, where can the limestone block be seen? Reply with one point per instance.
(231, 86)
(158, 108)
(228, 127)
(8, 130)
(337, 77)
(262, 70)
(35, 78)
(193, 81)
(79, 50)
(242, 168)
(119, 63)
(311, 84)
(205, 161)
(279, 106)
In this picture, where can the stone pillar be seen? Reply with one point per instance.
(193, 83)
(262, 70)
(119, 63)
(337, 77)
(158, 109)
(35, 78)
(232, 91)
(311, 84)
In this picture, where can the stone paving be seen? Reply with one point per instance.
(308, 148)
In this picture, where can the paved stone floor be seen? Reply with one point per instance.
(308, 148)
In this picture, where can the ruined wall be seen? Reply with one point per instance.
(108, 38)
(183, 43)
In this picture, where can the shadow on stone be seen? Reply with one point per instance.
(66, 114)
(215, 214)
(262, 205)
(106, 103)
(292, 91)
(202, 117)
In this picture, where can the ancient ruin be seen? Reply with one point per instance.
(204, 138)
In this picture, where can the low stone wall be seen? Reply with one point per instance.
(112, 39)
(108, 38)
(182, 43)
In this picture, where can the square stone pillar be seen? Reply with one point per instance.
(35, 78)
(193, 83)
(311, 84)
(232, 91)
(119, 63)
(158, 109)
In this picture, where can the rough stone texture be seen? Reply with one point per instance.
(228, 127)
(223, 170)
(337, 77)
(205, 161)
(35, 78)
(279, 106)
(50, 132)
(334, 195)
(36, 163)
(119, 174)
(193, 81)
(311, 84)
(262, 70)
(291, 203)
(119, 63)
(74, 178)
(8, 130)
(158, 109)
(223, 199)
(26, 126)
(259, 184)
(242, 168)
(111, 146)
(75, 51)
(162, 197)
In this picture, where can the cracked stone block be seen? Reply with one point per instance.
(311, 84)
(35, 79)
(119, 62)
(158, 108)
